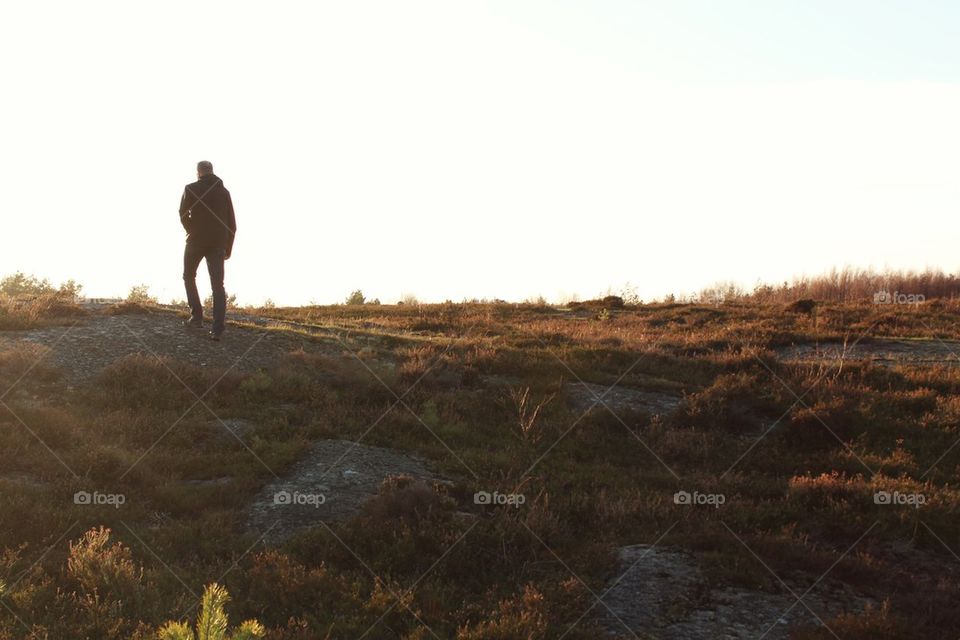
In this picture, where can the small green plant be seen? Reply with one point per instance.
(257, 383)
(356, 297)
(212, 622)
(429, 414)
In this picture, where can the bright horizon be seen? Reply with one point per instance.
(481, 150)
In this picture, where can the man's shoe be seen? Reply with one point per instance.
(215, 335)
(193, 323)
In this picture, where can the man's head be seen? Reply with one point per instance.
(204, 167)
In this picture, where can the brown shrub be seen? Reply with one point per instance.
(826, 424)
(104, 569)
(523, 616)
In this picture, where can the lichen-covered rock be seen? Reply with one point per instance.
(584, 395)
(662, 593)
(331, 483)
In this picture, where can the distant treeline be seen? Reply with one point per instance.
(844, 285)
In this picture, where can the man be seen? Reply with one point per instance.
(206, 213)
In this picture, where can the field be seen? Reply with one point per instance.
(595, 470)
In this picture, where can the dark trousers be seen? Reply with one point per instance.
(191, 261)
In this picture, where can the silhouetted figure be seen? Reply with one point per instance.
(206, 212)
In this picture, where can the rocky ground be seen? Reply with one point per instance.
(586, 396)
(331, 483)
(662, 593)
(83, 349)
(888, 352)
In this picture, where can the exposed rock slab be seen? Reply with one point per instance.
(584, 395)
(888, 352)
(662, 593)
(21, 480)
(233, 428)
(84, 349)
(342, 473)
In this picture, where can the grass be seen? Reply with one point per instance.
(420, 556)
(34, 311)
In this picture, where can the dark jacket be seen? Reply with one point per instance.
(206, 212)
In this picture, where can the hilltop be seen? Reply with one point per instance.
(488, 471)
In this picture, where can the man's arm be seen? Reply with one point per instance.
(231, 224)
(185, 205)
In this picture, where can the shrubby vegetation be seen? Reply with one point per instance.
(357, 298)
(489, 382)
(212, 622)
(844, 285)
(140, 294)
(27, 301)
(22, 285)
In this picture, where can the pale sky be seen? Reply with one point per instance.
(459, 149)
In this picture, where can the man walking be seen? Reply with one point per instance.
(206, 213)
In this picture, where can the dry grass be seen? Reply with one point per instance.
(845, 286)
(42, 310)
(800, 497)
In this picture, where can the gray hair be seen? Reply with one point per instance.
(204, 167)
